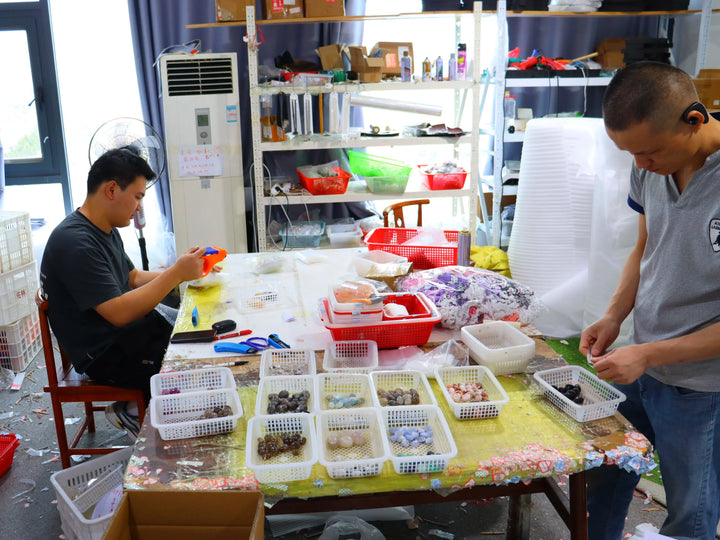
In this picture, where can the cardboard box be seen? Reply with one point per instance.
(708, 87)
(391, 53)
(231, 10)
(324, 8)
(331, 57)
(369, 69)
(611, 53)
(188, 515)
(283, 9)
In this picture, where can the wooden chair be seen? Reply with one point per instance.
(65, 385)
(397, 211)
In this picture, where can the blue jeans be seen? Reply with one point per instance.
(684, 427)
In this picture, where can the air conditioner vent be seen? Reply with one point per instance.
(195, 77)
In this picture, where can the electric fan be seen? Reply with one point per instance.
(143, 139)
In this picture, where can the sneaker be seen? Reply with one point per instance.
(119, 417)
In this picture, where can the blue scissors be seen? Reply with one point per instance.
(250, 346)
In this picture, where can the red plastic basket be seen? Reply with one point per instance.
(336, 185)
(417, 305)
(8, 444)
(392, 240)
(387, 334)
(440, 181)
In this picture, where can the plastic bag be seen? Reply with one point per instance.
(341, 527)
(450, 353)
(428, 236)
(466, 295)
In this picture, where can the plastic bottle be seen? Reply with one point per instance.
(406, 67)
(439, 69)
(452, 68)
(509, 107)
(426, 70)
(463, 248)
(461, 62)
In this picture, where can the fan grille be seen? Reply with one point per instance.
(199, 77)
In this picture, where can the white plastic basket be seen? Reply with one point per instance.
(424, 458)
(356, 461)
(180, 416)
(17, 293)
(499, 346)
(76, 496)
(333, 388)
(405, 379)
(600, 398)
(372, 261)
(284, 362)
(293, 384)
(20, 342)
(344, 235)
(284, 467)
(191, 380)
(359, 356)
(497, 397)
(15, 240)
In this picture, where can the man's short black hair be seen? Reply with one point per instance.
(123, 165)
(647, 91)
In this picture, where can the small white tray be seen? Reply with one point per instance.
(360, 356)
(294, 384)
(284, 362)
(497, 397)
(405, 379)
(338, 385)
(191, 380)
(499, 346)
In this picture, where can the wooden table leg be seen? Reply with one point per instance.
(518, 525)
(578, 506)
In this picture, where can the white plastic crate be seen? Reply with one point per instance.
(344, 235)
(181, 416)
(405, 379)
(17, 293)
(15, 240)
(600, 398)
(284, 362)
(284, 467)
(359, 356)
(497, 397)
(423, 458)
(191, 380)
(357, 461)
(77, 496)
(372, 261)
(364, 290)
(354, 389)
(293, 384)
(20, 342)
(499, 346)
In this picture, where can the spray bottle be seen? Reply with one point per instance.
(439, 69)
(406, 67)
(461, 62)
(452, 68)
(426, 70)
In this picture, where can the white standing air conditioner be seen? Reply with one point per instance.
(202, 135)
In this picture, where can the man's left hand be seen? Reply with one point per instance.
(623, 365)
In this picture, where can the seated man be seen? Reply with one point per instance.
(102, 308)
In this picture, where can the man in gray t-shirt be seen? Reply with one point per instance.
(671, 371)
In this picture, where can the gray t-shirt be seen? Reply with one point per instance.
(679, 289)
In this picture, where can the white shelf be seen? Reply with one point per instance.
(412, 192)
(352, 87)
(555, 81)
(314, 142)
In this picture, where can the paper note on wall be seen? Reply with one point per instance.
(200, 160)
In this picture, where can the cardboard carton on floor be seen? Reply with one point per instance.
(324, 8)
(708, 87)
(283, 9)
(369, 69)
(188, 515)
(392, 51)
(231, 10)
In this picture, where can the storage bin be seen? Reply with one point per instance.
(359, 356)
(191, 380)
(370, 261)
(387, 334)
(385, 184)
(335, 185)
(8, 444)
(283, 362)
(284, 467)
(428, 457)
(15, 240)
(393, 240)
(182, 416)
(344, 235)
(292, 384)
(499, 346)
(368, 165)
(20, 342)
(440, 181)
(358, 460)
(79, 488)
(405, 380)
(416, 304)
(600, 398)
(17, 293)
(343, 390)
(303, 234)
(343, 312)
(497, 397)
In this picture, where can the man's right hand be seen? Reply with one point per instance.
(189, 265)
(599, 336)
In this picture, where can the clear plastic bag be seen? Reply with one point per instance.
(450, 353)
(344, 527)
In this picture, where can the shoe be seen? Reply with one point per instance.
(118, 416)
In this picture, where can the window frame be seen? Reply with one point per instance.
(34, 19)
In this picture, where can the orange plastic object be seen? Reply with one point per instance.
(213, 255)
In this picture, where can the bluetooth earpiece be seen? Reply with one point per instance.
(693, 120)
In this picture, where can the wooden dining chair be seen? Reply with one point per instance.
(65, 385)
(397, 211)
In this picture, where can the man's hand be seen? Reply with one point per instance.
(623, 365)
(599, 336)
(189, 265)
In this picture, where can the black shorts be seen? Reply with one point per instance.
(135, 356)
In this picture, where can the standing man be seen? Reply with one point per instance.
(101, 306)
(671, 371)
